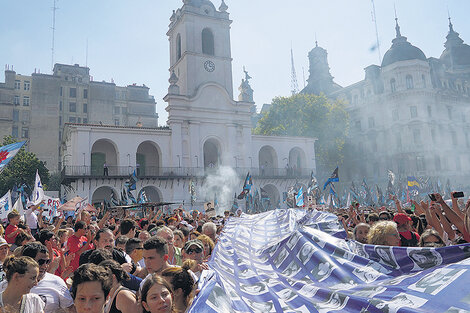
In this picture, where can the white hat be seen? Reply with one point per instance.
(3, 242)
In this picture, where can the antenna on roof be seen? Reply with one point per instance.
(294, 84)
(86, 55)
(54, 8)
(374, 19)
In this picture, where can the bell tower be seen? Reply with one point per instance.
(199, 37)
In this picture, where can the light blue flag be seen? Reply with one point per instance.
(8, 152)
(299, 198)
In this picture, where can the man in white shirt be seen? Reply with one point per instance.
(31, 217)
(51, 288)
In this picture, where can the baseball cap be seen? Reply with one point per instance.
(194, 242)
(3, 242)
(401, 218)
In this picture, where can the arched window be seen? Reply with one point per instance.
(393, 86)
(207, 41)
(178, 47)
(409, 82)
(424, 80)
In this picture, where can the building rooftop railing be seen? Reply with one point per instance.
(70, 173)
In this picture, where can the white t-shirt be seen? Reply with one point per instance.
(31, 219)
(52, 290)
(32, 303)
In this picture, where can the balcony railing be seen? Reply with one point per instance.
(82, 171)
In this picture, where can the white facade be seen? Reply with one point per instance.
(206, 129)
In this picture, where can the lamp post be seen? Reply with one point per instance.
(83, 158)
(251, 162)
(179, 160)
(197, 161)
(236, 161)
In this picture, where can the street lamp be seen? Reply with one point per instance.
(83, 158)
(179, 160)
(197, 161)
(251, 162)
(236, 161)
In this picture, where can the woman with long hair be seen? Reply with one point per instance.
(22, 275)
(183, 284)
(157, 295)
(121, 300)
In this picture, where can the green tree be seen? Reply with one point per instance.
(22, 169)
(310, 116)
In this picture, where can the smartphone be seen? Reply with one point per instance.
(458, 194)
(432, 197)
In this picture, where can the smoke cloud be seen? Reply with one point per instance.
(223, 183)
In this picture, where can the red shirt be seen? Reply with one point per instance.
(74, 244)
(10, 228)
(57, 254)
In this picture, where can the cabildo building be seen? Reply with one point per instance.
(206, 129)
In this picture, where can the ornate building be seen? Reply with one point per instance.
(207, 128)
(410, 114)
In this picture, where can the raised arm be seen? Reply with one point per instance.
(453, 217)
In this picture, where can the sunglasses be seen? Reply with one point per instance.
(191, 251)
(43, 261)
(384, 218)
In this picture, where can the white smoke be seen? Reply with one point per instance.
(224, 183)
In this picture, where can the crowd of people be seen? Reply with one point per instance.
(94, 262)
(435, 223)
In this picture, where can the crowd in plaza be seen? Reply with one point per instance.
(93, 262)
(435, 223)
(97, 263)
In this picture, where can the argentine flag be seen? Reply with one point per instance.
(299, 198)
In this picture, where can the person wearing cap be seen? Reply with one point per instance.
(193, 256)
(194, 250)
(4, 248)
(408, 238)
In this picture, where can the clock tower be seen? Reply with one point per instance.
(208, 127)
(199, 37)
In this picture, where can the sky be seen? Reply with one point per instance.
(127, 40)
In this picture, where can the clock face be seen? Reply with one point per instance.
(209, 66)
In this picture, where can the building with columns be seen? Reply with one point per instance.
(411, 114)
(206, 129)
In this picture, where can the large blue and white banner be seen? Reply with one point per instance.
(299, 261)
